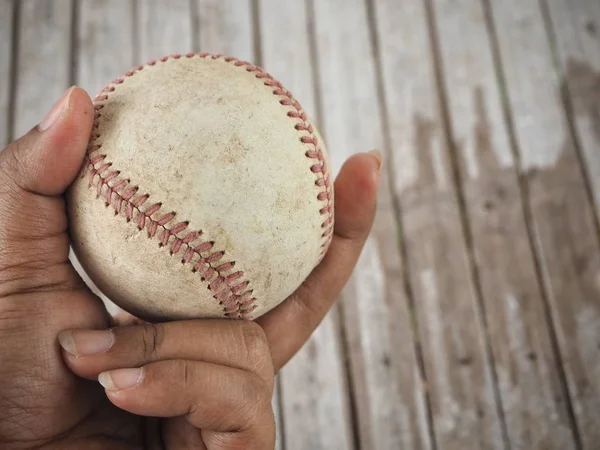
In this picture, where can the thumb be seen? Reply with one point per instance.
(34, 171)
(47, 159)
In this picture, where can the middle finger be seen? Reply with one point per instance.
(237, 344)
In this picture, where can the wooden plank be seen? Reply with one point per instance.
(562, 217)
(387, 389)
(530, 385)
(6, 34)
(314, 403)
(462, 392)
(464, 410)
(105, 50)
(164, 28)
(44, 58)
(576, 26)
(105, 42)
(314, 391)
(225, 26)
(276, 402)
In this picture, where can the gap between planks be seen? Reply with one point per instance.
(464, 219)
(537, 211)
(414, 322)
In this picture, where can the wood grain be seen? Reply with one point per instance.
(105, 42)
(276, 403)
(164, 28)
(6, 31)
(562, 217)
(576, 28)
(460, 384)
(313, 385)
(387, 389)
(525, 363)
(44, 60)
(226, 26)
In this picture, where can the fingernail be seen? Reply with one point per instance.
(86, 342)
(377, 155)
(116, 380)
(57, 111)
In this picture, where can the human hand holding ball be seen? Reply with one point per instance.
(204, 195)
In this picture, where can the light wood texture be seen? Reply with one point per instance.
(531, 391)
(314, 394)
(44, 60)
(388, 392)
(164, 28)
(465, 413)
(313, 385)
(105, 42)
(226, 27)
(279, 437)
(6, 30)
(576, 26)
(565, 234)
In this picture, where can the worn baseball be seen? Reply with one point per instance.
(205, 191)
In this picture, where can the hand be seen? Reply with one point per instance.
(206, 383)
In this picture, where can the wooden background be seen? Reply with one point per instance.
(473, 317)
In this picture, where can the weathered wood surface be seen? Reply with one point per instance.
(514, 307)
(164, 28)
(565, 233)
(226, 27)
(6, 31)
(387, 389)
(460, 384)
(577, 31)
(576, 27)
(473, 318)
(43, 60)
(276, 403)
(315, 396)
(105, 42)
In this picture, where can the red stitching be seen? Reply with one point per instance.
(230, 289)
(173, 235)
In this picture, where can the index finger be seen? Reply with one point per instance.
(289, 325)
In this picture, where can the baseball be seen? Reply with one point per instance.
(206, 191)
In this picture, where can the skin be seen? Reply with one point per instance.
(200, 384)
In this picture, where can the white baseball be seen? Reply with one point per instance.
(206, 191)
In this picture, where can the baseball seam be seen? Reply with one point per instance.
(227, 286)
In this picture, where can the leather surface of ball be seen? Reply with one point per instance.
(206, 191)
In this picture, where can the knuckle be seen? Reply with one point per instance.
(10, 164)
(264, 394)
(310, 311)
(258, 396)
(7, 169)
(152, 338)
(255, 345)
(186, 374)
(183, 373)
